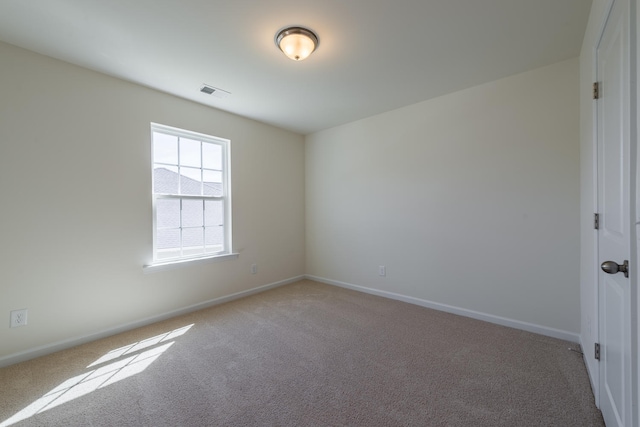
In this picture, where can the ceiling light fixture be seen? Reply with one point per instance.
(297, 42)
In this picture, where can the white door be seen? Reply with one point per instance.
(614, 238)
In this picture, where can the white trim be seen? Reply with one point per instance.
(588, 353)
(184, 132)
(516, 324)
(224, 145)
(171, 265)
(72, 342)
(593, 366)
(634, 113)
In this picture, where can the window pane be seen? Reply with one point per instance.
(192, 213)
(214, 237)
(190, 153)
(189, 224)
(213, 213)
(192, 241)
(168, 213)
(211, 156)
(165, 179)
(165, 148)
(191, 181)
(168, 243)
(212, 183)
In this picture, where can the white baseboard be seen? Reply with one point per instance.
(517, 324)
(72, 342)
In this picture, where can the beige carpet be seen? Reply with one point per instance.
(306, 354)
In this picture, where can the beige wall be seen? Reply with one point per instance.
(470, 200)
(76, 210)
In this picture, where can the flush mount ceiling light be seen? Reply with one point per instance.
(297, 42)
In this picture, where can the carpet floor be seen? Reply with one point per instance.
(306, 354)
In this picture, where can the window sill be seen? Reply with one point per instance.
(170, 265)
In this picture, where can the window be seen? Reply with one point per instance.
(191, 203)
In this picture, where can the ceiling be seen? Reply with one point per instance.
(374, 55)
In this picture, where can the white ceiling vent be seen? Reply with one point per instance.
(210, 90)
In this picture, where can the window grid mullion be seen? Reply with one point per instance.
(179, 181)
(187, 197)
(204, 243)
(181, 228)
(201, 170)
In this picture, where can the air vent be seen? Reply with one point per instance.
(207, 89)
(210, 90)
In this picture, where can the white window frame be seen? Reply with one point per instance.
(226, 252)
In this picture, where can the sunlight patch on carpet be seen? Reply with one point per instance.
(114, 366)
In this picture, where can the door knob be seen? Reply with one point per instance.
(612, 267)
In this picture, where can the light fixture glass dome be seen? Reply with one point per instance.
(297, 42)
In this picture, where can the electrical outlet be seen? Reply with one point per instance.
(18, 318)
(382, 270)
(254, 268)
